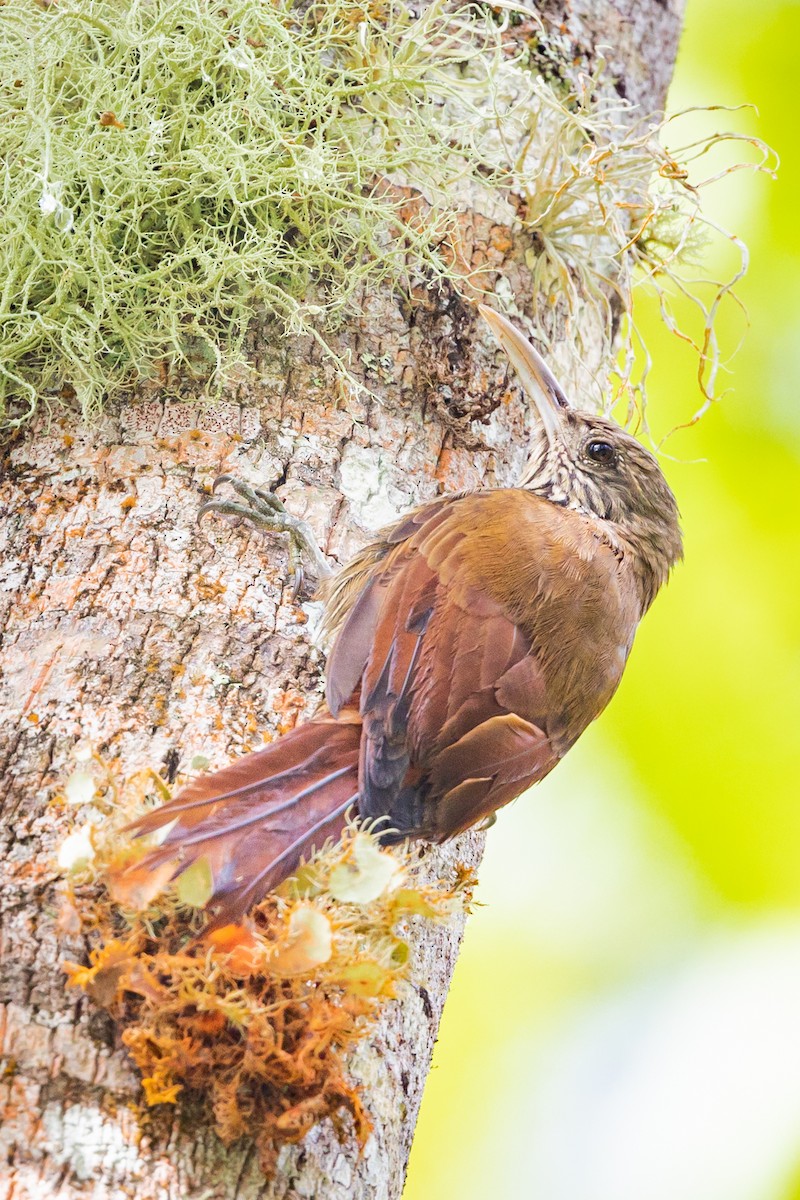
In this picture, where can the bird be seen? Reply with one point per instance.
(472, 644)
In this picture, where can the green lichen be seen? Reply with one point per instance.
(174, 169)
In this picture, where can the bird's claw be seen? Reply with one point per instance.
(266, 511)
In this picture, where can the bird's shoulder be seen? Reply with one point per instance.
(510, 542)
(514, 544)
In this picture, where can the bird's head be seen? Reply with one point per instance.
(589, 463)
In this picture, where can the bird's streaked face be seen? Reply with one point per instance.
(589, 463)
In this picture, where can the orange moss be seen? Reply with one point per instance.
(257, 1018)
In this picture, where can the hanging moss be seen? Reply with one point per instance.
(174, 168)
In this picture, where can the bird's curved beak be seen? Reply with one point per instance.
(535, 376)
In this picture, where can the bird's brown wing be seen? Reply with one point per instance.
(353, 596)
(453, 694)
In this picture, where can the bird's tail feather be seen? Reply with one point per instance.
(253, 821)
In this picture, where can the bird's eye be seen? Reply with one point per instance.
(601, 452)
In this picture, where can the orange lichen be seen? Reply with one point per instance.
(208, 589)
(256, 1017)
(287, 707)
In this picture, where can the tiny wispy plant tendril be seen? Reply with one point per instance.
(611, 209)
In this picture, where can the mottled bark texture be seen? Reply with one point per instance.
(123, 624)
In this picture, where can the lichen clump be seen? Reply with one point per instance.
(256, 1018)
(174, 169)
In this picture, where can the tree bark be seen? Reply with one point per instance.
(123, 624)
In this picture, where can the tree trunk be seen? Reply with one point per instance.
(124, 624)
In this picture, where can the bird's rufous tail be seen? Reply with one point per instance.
(254, 820)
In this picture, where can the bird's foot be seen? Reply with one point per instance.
(266, 511)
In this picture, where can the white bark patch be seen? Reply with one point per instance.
(178, 539)
(315, 611)
(365, 479)
(90, 1144)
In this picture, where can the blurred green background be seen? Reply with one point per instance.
(624, 1022)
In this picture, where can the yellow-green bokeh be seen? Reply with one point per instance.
(678, 813)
